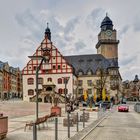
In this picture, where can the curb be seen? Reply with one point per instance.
(83, 133)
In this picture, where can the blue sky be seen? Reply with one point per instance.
(74, 24)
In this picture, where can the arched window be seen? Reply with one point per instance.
(30, 81)
(30, 92)
(60, 81)
(49, 79)
(60, 90)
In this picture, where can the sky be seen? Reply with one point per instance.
(74, 25)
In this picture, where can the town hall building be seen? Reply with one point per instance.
(75, 75)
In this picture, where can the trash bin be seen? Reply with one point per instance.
(137, 107)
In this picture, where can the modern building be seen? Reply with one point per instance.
(90, 73)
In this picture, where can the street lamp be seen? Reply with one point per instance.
(44, 58)
(66, 79)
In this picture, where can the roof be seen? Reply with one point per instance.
(106, 23)
(91, 62)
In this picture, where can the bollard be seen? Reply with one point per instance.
(77, 123)
(68, 125)
(56, 128)
(34, 132)
(83, 118)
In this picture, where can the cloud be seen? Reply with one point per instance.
(93, 19)
(128, 59)
(74, 25)
(80, 45)
(29, 22)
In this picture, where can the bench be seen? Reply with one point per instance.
(52, 116)
(39, 121)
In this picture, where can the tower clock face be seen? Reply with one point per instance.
(108, 32)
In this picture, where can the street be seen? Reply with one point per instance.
(118, 126)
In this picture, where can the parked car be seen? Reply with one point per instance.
(106, 104)
(98, 104)
(123, 108)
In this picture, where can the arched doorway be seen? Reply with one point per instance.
(49, 89)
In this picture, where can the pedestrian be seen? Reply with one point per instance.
(68, 108)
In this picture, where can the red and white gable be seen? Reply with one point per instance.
(55, 70)
(57, 63)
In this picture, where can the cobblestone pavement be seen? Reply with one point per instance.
(20, 112)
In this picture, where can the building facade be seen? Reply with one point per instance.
(8, 81)
(131, 89)
(90, 73)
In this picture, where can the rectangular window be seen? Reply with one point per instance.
(59, 66)
(54, 67)
(80, 82)
(89, 82)
(40, 81)
(80, 91)
(89, 92)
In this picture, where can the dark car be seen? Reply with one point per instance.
(106, 104)
(97, 104)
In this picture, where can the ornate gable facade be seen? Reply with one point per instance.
(55, 70)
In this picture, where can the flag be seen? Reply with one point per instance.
(85, 95)
(108, 97)
(103, 94)
(94, 96)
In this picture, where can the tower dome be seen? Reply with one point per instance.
(106, 23)
(48, 32)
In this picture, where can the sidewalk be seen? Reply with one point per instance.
(16, 128)
(20, 112)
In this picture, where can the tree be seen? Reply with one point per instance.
(100, 83)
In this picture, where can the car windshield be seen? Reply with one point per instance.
(123, 105)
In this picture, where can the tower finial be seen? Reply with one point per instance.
(106, 14)
(48, 32)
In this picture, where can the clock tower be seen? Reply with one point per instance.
(107, 40)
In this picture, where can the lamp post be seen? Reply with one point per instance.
(44, 58)
(66, 79)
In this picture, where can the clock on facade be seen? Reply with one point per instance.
(108, 32)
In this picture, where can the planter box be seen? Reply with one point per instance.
(3, 127)
(82, 118)
(57, 110)
(74, 117)
(65, 122)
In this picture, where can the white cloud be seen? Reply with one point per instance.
(74, 26)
